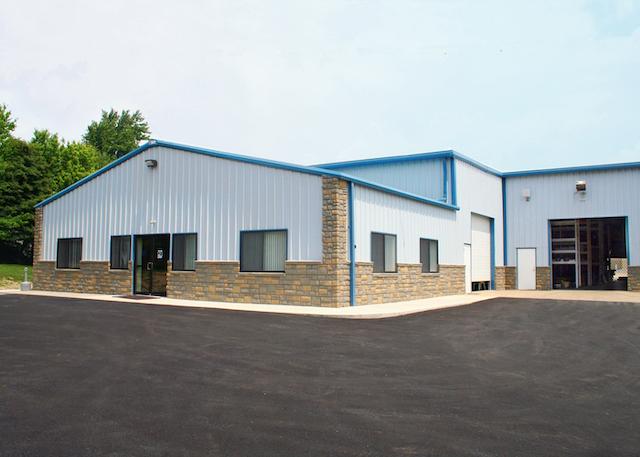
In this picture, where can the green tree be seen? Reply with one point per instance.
(24, 181)
(67, 162)
(74, 162)
(117, 133)
(7, 124)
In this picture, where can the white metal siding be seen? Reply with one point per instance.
(188, 192)
(609, 194)
(480, 248)
(420, 177)
(479, 192)
(410, 220)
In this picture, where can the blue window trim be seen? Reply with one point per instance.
(173, 244)
(286, 249)
(454, 183)
(252, 160)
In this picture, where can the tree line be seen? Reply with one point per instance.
(32, 170)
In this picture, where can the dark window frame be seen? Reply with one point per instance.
(286, 249)
(428, 270)
(384, 252)
(173, 251)
(111, 267)
(58, 266)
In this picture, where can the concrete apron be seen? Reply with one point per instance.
(378, 311)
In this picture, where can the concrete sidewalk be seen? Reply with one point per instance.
(358, 312)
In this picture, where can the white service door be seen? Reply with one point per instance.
(467, 268)
(526, 268)
(480, 248)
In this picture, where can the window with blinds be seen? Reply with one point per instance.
(120, 252)
(183, 255)
(264, 250)
(69, 253)
(429, 255)
(383, 253)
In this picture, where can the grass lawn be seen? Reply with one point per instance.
(12, 274)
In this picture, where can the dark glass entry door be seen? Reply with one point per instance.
(151, 255)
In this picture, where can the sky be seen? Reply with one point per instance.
(514, 84)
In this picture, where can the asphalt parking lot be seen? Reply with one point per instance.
(505, 377)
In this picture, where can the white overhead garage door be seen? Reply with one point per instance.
(480, 248)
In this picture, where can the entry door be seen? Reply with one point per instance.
(526, 268)
(151, 257)
(467, 268)
(480, 249)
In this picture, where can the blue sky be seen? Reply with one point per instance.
(514, 84)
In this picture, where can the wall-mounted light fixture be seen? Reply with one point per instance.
(526, 194)
(151, 163)
(581, 186)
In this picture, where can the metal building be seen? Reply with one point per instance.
(181, 221)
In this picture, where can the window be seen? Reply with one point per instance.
(263, 250)
(69, 253)
(184, 251)
(120, 252)
(383, 253)
(429, 255)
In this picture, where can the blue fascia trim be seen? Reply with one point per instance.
(476, 164)
(493, 252)
(504, 223)
(454, 183)
(579, 169)
(387, 160)
(352, 248)
(246, 159)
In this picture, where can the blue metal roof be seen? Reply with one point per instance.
(578, 169)
(247, 159)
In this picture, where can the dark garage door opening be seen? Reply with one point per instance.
(589, 253)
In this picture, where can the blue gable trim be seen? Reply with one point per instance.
(247, 159)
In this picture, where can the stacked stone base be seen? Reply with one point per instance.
(90, 278)
(409, 283)
(505, 278)
(302, 283)
(633, 282)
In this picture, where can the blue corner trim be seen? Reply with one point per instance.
(445, 183)
(493, 253)
(579, 169)
(252, 160)
(504, 223)
(352, 249)
(454, 183)
(628, 235)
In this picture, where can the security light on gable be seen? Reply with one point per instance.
(151, 163)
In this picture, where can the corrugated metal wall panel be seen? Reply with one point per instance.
(480, 193)
(189, 193)
(609, 194)
(421, 177)
(377, 211)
